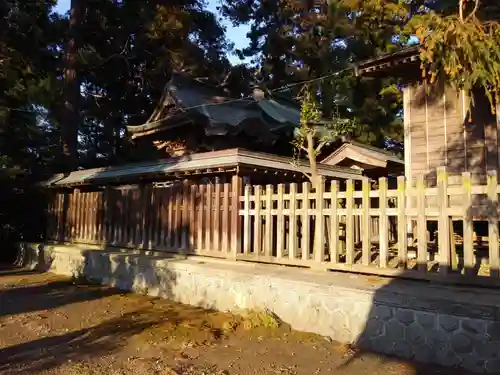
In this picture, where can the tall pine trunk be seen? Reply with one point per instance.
(71, 89)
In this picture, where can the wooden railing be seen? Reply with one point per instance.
(440, 231)
(294, 225)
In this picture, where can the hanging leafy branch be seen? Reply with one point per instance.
(315, 132)
(461, 48)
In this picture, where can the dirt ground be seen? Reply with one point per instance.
(53, 325)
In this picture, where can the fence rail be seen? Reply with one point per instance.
(354, 226)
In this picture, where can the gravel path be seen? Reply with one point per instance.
(52, 325)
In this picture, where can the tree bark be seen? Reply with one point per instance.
(71, 90)
(311, 154)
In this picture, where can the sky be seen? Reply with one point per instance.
(235, 34)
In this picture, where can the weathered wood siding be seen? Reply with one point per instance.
(440, 131)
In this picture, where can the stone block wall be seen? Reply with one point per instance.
(426, 323)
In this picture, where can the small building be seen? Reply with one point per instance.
(372, 161)
(441, 128)
(193, 116)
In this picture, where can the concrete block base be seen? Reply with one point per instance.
(409, 319)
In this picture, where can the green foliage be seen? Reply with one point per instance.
(129, 49)
(294, 43)
(462, 49)
(315, 132)
(323, 130)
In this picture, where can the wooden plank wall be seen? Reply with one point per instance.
(196, 219)
(444, 129)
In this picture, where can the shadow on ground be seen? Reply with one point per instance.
(25, 299)
(103, 339)
(138, 318)
(426, 323)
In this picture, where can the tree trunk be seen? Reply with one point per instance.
(311, 154)
(71, 90)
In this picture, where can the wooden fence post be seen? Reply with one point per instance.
(216, 218)
(292, 233)
(236, 187)
(225, 218)
(185, 221)
(383, 223)
(349, 227)
(246, 222)
(306, 187)
(421, 225)
(493, 224)
(208, 218)
(257, 223)
(402, 229)
(444, 222)
(280, 224)
(268, 242)
(468, 224)
(334, 223)
(319, 233)
(153, 219)
(200, 246)
(365, 225)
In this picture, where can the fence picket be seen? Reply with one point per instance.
(257, 223)
(118, 217)
(236, 191)
(169, 222)
(177, 228)
(366, 236)
(216, 222)
(208, 219)
(128, 219)
(166, 197)
(185, 218)
(334, 223)
(493, 224)
(384, 223)
(421, 225)
(349, 258)
(468, 225)
(225, 218)
(304, 247)
(292, 232)
(153, 220)
(85, 218)
(60, 217)
(192, 216)
(319, 233)
(280, 224)
(401, 226)
(138, 209)
(246, 222)
(199, 223)
(72, 216)
(444, 222)
(268, 239)
(78, 207)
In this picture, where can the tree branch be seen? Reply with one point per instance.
(461, 6)
(299, 169)
(476, 7)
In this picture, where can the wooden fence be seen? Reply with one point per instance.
(191, 219)
(359, 228)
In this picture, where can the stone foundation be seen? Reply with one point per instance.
(437, 324)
